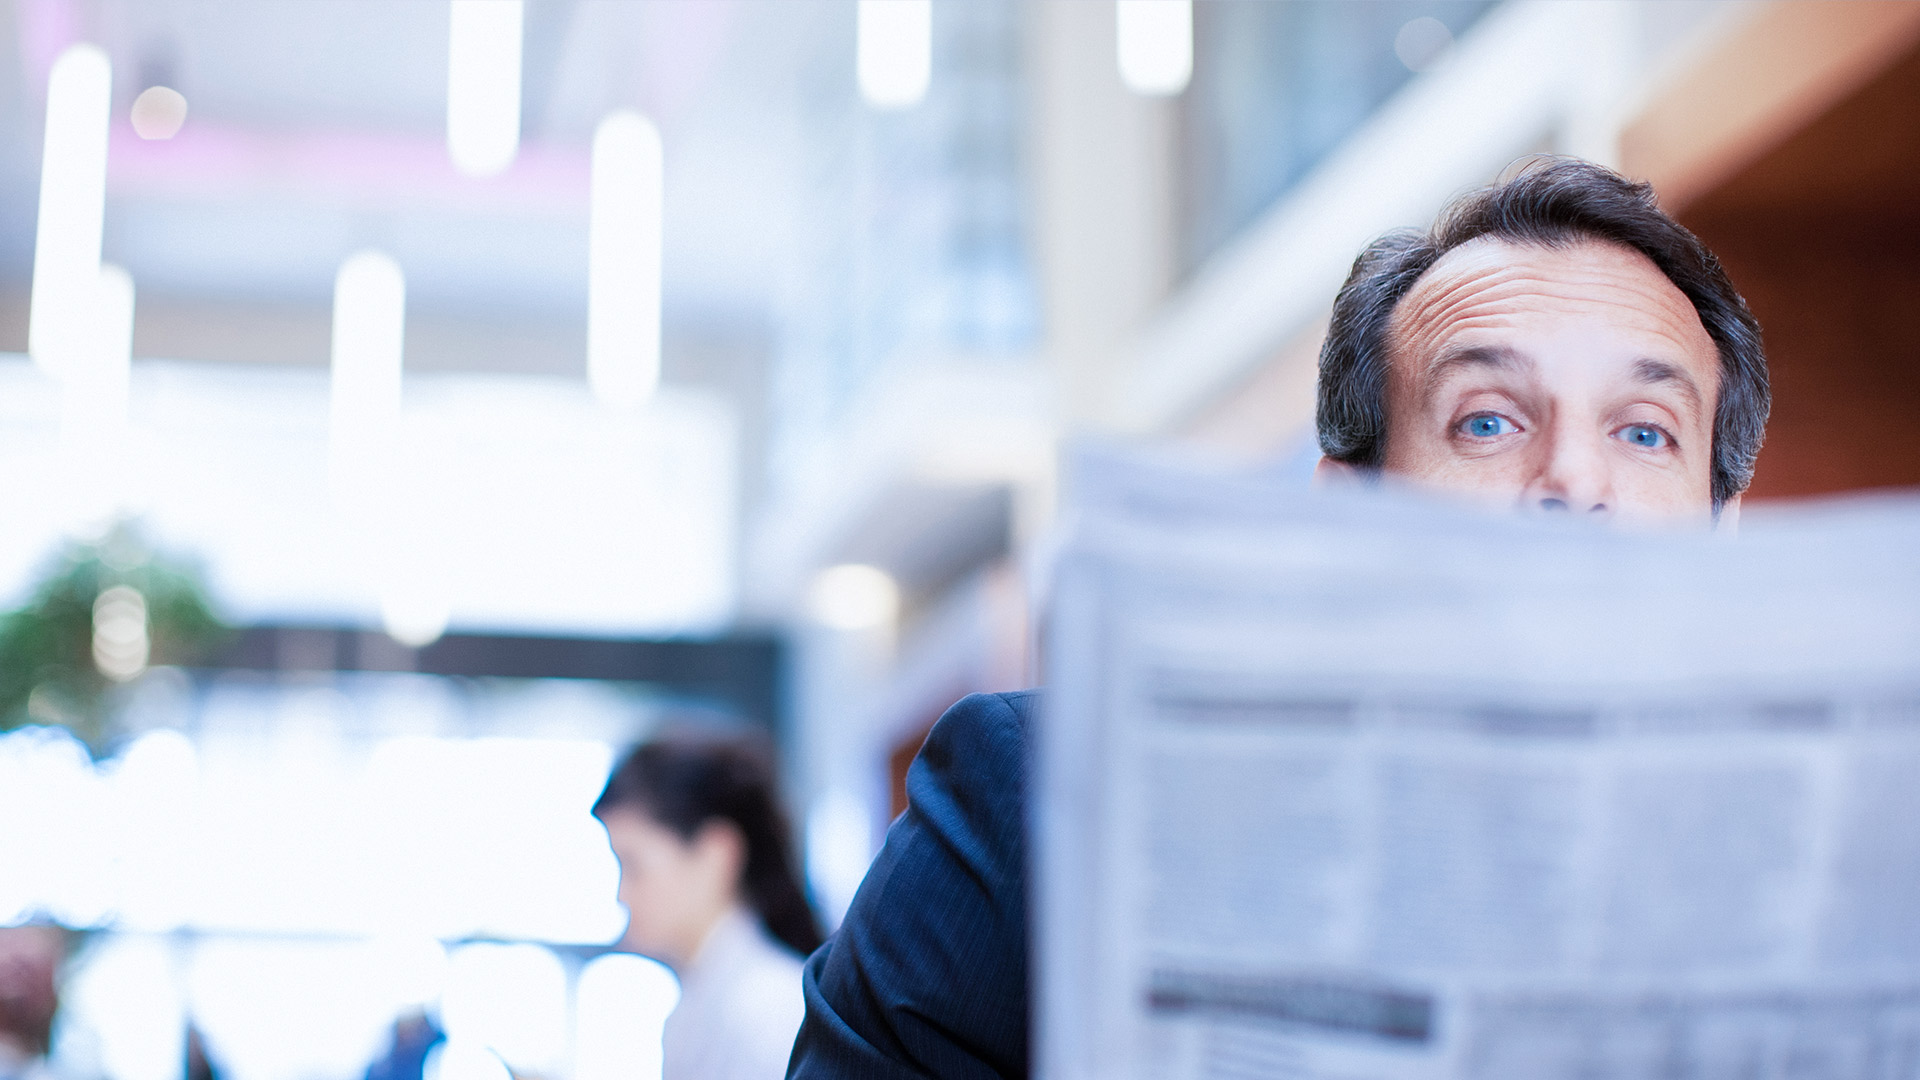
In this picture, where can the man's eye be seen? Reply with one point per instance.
(1487, 425)
(1644, 436)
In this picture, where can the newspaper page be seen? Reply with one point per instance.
(1361, 786)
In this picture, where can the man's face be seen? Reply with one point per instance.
(1575, 378)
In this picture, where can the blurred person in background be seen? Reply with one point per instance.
(199, 1066)
(707, 877)
(414, 1037)
(1555, 343)
(30, 959)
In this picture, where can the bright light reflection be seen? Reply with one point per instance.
(612, 527)
(621, 1007)
(120, 643)
(839, 850)
(1155, 45)
(414, 617)
(854, 596)
(410, 971)
(423, 839)
(461, 1059)
(483, 85)
(55, 845)
(125, 1002)
(510, 999)
(95, 385)
(73, 192)
(894, 51)
(290, 1010)
(623, 260)
(474, 807)
(154, 788)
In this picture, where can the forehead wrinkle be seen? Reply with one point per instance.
(1583, 275)
(1472, 301)
(1509, 285)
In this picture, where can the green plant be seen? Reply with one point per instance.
(105, 611)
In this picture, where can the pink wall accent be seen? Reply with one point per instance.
(213, 162)
(46, 28)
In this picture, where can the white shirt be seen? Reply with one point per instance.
(740, 1007)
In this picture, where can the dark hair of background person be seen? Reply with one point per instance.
(1552, 202)
(684, 780)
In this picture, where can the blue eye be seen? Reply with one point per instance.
(1642, 435)
(1488, 425)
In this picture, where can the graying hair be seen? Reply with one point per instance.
(1551, 201)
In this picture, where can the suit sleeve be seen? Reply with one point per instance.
(927, 976)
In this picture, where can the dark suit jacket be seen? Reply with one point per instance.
(927, 977)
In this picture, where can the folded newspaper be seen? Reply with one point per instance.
(1357, 785)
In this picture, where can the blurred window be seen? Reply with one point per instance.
(1277, 86)
(914, 243)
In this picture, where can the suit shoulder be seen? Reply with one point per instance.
(981, 733)
(1002, 714)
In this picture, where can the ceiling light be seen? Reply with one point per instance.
(73, 196)
(483, 85)
(854, 596)
(158, 113)
(1155, 45)
(369, 332)
(413, 617)
(623, 260)
(894, 51)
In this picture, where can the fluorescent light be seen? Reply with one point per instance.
(1155, 45)
(623, 260)
(894, 53)
(369, 330)
(855, 597)
(483, 85)
(369, 333)
(73, 196)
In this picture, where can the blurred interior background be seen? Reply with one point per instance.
(406, 406)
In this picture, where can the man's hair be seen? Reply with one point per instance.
(1552, 202)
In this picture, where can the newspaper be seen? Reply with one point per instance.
(1354, 785)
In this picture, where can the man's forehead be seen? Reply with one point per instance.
(1493, 285)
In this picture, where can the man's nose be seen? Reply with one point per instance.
(1572, 477)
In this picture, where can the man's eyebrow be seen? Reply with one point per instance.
(1497, 357)
(1660, 371)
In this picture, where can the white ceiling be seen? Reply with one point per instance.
(316, 127)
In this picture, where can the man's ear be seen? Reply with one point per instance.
(1728, 519)
(1329, 473)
